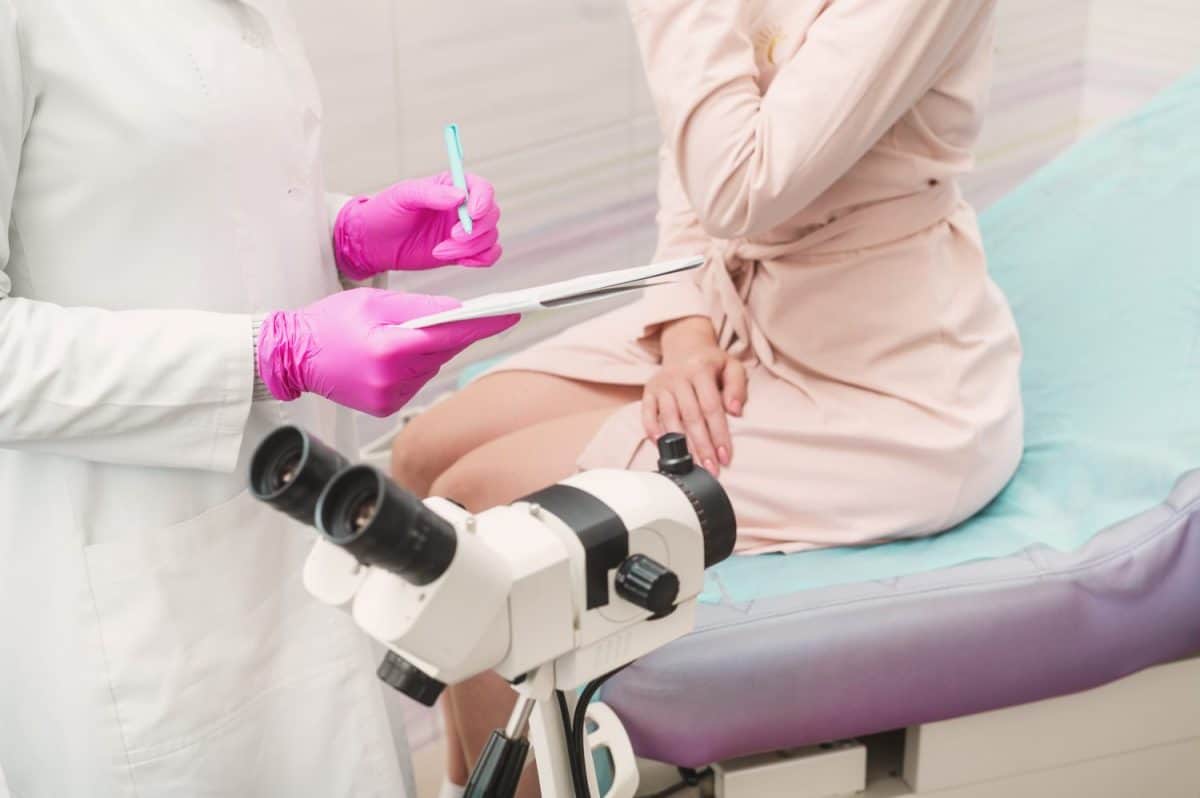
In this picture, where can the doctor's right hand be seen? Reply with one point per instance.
(348, 348)
(415, 225)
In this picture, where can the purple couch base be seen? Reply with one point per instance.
(858, 659)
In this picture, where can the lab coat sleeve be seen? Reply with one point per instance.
(155, 388)
(749, 160)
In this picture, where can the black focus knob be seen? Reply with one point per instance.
(401, 674)
(673, 455)
(647, 584)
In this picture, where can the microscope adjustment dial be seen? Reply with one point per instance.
(648, 584)
(400, 674)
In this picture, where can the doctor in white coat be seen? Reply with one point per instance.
(164, 209)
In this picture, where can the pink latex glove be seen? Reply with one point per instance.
(345, 348)
(414, 225)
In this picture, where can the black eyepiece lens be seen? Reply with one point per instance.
(349, 506)
(382, 524)
(289, 470)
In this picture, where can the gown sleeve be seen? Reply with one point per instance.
(153, 388)
(749, 160)
(679, 236)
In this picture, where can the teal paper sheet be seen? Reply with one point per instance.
(1099, 254)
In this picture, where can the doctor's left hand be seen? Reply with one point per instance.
(348, 348)
(414, 225)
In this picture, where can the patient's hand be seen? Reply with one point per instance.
(698, 386)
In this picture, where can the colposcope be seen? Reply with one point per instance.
(554, 592)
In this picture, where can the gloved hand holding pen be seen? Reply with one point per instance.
(415, 225)
(348, 348)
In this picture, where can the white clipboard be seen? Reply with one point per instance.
(565, 294)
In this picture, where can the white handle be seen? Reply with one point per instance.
(610, 734)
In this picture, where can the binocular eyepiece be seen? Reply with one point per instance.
(361, 510)
(354, 507)
(382, 524)
(289, 471)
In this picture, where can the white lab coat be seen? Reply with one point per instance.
(159, 182)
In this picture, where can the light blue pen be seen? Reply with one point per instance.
(455, 151)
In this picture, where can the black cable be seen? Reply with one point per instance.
(565, 715)
(580, 726)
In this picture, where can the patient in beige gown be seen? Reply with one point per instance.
(843, 362)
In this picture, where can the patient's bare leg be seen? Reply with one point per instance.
(501, 471)
(457, 769)
(486, 410)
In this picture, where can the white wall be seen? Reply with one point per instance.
(1134, 49)
(1037, 92)
(1065, 68)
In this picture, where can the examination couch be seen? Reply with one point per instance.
(1048, 647)
(1045, 647)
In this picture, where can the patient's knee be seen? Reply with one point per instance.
(417, 456)
(470, 482)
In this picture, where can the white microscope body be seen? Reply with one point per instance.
(551, 592)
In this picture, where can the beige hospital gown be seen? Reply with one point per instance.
(811, 149)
